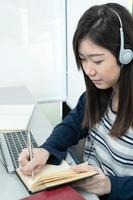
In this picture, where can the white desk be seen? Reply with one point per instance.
(11, 188)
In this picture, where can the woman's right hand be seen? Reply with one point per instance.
(27, 166)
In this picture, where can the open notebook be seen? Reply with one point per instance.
(53, 175)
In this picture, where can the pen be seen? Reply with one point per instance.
(30, 149)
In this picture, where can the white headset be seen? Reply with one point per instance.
(125, 55)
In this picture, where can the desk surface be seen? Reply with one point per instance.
(11, 187)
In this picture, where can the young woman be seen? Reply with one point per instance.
(103, 44)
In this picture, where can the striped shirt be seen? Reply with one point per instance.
(113, 155)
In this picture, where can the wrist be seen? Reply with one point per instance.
(46, 154)
(108, 185)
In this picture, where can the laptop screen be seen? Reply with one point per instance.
(16, 107)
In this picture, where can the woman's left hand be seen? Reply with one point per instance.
(99, 184)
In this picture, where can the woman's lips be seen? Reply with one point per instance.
(96, 81)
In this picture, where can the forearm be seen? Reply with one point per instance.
(63, 137)
(67, 133)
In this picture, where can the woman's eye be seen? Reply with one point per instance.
(82, 59)
(98, 62)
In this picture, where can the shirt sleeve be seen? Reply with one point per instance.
(67, 133)
(121, 188)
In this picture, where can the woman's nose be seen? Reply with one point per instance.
(89, 69)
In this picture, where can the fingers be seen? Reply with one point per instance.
(84, 167)
(29, 167)
(23, 157)
(99, 187)
(99, 184)
(40, 157)
(26, 165)
(37, 169)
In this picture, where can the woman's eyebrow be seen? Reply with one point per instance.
(91, 55)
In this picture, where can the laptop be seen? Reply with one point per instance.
(16, 108)
(11, 145)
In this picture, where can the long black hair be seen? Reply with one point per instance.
(101, 25)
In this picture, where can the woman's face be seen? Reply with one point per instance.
(99, 64)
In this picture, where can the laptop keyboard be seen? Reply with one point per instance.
(16, 141)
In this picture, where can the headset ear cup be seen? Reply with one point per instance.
(126, 56)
